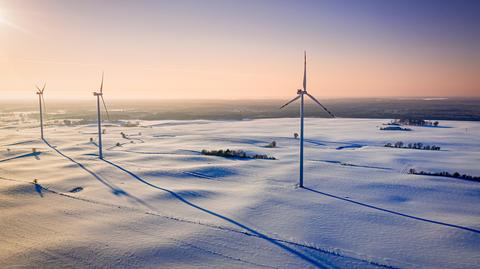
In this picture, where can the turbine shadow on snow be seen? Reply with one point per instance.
(352, 165)
(38, 189)
(32, 154)
(394, 212)
(227, 219)
(115, 190)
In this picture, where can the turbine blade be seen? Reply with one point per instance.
(316, 101)
(305, 71)
(38, 88)
(44, 85)
(105, 106)
(294, 99)
(101, 85)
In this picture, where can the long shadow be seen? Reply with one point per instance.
(18, 143)
(353, 165)
(314, 142)
(178, 152)
(114, 189)
(394, 212)
(232, 221)
(351, 146)
(322, 142)
(32, 154)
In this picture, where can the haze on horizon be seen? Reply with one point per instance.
(239, 49)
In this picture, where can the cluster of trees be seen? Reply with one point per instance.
(400, 144)
(444, 174)
(67, 122)
(235, 154)
(415, 122)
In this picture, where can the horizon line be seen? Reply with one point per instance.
(83, 99)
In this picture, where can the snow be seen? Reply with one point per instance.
(157, 202)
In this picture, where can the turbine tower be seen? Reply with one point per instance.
(41, 102)
(99, 96)
(300, 95)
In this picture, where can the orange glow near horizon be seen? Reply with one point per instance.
(173, 52)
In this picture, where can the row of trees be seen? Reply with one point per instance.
(235, 154)
(394, 128)
(444, 174)
(400, 144)
(415, 122)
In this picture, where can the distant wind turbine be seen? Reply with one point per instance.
(41, 102)
(99, 96)
(301, 93)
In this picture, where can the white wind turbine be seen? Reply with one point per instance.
(99, 96)
(41, 103)
(301, 93)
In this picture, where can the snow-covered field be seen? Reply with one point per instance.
(156, 202)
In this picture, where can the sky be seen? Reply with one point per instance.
(239, 49)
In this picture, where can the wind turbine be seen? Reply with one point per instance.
(41, 102)
(301, 93)
(99, 96)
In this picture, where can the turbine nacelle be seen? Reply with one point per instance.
(300, 93)
(42, 90)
